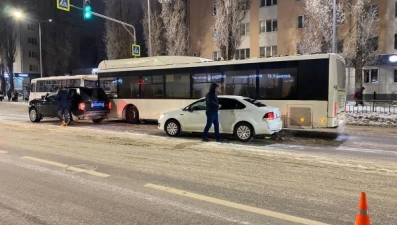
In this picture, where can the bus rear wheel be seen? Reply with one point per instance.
(132, 114)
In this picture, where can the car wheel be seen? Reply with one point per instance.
(172, 128)
(132, 114)
(244, 132)
(97, 120)
(33, 115)
(67, 117)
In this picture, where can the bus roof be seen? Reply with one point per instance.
(164, 62)
(84, 76)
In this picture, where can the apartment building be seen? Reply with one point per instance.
(27, 57)
(274, 27)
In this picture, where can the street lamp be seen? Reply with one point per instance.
(20, 15)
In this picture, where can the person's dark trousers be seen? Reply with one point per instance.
(212, 118)
(60, 113)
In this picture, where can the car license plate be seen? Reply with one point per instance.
(97, 104)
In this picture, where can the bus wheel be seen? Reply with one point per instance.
(33, 116)
(132, 114)
(244, 132)
(172, 128)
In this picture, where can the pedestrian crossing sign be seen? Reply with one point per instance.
(136, 50)
(63, 5)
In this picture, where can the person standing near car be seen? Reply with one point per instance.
(211, 100)
(63, 104)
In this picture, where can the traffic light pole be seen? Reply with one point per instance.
(125, 25)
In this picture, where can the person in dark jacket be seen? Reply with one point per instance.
(212, 108)
(63, 104)
(358, 96)
(9, 94)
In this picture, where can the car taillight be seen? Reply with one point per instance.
(268, 116)
(110, 105)
(82, 106)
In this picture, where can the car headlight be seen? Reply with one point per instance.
(161, 116)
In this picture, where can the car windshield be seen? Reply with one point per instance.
(254, 102)
(94, 94)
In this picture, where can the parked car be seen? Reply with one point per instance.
(1, 96)
(85, 104)
(242, 116)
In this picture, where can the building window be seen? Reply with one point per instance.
(269, 51)
(301, 21)
(216, 56)
(268, 26)
(214, 11)
(245, 29)
(370, 76)
(268, 2)
(242, 53)
(395, 41)
(395, 76)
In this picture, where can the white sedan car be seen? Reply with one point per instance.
(242, 116)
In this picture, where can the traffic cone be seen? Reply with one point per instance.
(362, 217)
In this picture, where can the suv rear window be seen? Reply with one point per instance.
(94, 94)
(254, 102)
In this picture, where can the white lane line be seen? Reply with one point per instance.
(247, 208)
(46, 161)
(71, 168)
(3, 152)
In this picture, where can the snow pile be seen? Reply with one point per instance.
(371, 118)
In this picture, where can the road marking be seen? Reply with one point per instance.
(71, 168)
(247, 208)
(3, 152)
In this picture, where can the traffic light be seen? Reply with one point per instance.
(87, 13)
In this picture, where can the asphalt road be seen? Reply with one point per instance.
(117, 173)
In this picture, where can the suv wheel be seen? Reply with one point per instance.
(33, 115)
(132, 114)
(244, 132)
(67, 117)
(97, 120)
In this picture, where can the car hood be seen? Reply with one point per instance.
(173, 112)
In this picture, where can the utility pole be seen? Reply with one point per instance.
(334, 29)
(150, 37)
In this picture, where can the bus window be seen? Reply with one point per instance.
(277, 83)
(109, 85)
(240, 82)
(152, 86)
(202, 83)
(177, 85)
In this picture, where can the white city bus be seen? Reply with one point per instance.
(41, 86)
(308, 89)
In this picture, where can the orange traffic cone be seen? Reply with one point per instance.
(362, 217)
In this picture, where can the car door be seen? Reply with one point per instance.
(194, 118)
(229, 114)
(46, 105)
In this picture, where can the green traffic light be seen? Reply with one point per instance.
(87, 8)
(87, 15)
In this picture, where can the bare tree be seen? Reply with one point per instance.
(156, 27)
(174, 16)
(362, 44)
(117, 38)
(227, 27)
(8, 48)
(318, 24)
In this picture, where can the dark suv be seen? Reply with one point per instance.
(85, 104)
